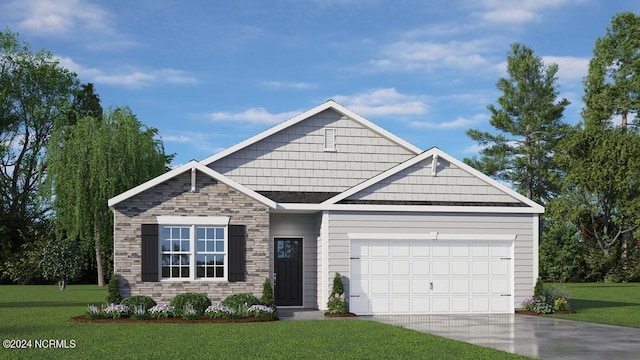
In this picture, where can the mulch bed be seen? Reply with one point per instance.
(84, 319)
(526, 312)
(328, 314)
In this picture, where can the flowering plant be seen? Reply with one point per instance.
(261, 310)
(529, 303)
(220, 311)
(116, 311)
(560, 304)
(190, 313)
(139, 313)
(94, 312)
(162, 311)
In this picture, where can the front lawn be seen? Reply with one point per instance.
(42, 312)
(605, 303)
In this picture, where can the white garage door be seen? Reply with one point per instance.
(430, 276)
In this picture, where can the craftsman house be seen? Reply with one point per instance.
(410, 231)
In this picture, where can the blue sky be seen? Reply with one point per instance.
(209, 74)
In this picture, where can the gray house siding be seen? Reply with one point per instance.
(343, 223)
(294, 159)
(174, 198)
(305, 226)
(417, 183)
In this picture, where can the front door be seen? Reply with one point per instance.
(288, 271)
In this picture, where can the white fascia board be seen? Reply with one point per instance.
(330, 104)
(431, 236)
(407, 208)
(188, 167)
(374, 180)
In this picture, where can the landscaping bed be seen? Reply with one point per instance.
(528, 312)
(328, 314)
(174, 320)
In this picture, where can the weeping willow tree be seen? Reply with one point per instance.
(92, 161)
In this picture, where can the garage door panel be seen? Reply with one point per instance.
(379, 249)
(423, 277)
(379, 286)
(401, 267)
(460, 286)
(380, 267)
(400, 286)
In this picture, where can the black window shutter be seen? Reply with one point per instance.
(150, 252)
(237, 252)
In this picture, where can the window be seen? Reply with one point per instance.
(194, 251)
(329, 139)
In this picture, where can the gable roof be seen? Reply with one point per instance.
(180, 170)
(329, 104)
(535, 207)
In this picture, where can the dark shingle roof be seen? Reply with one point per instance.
(302, 197)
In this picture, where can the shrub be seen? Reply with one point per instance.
(538, 289)
(219, 311)
(542, 307)
(240, 302)
(553, 292)
(113, 296)
(162, 311)
(267, 294)
(337, 304)
(139, 300)
(116, 311)
(199, 302)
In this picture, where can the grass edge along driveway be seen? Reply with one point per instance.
(42, 312)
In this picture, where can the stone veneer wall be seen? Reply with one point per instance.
(173, 197)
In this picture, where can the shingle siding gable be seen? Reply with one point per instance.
(417, 184)
(294, 159)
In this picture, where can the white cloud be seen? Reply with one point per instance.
(131, 78)
(58, 17)
(430, 56)
(277, 85)
(570, 68)
(516, 12)
(253, 116)
(200, 141)
(460, 122)
(384, 102)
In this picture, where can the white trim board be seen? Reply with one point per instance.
(432, 236)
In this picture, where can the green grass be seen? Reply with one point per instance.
(605, 303)
(42, 312)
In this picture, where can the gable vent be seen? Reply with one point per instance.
(330, 139)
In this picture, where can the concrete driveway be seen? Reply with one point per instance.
(534, 336)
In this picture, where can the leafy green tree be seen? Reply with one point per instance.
(612, 86)
(86, 103)
(562, 253)
(62, 260)
(92, 161)
(601, 188)
(35, 93)
(528, 120)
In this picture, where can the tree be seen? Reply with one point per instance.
(529, 126)
(86, 103)
(35, 93)
(612, 86)
(601, 190)
(92, 161)
(62, 260)
(562, 252)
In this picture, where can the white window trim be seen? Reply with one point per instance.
(194, 222)
(330, 134)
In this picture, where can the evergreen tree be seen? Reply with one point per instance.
(528, 123)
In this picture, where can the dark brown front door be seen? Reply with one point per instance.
(288, 269)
